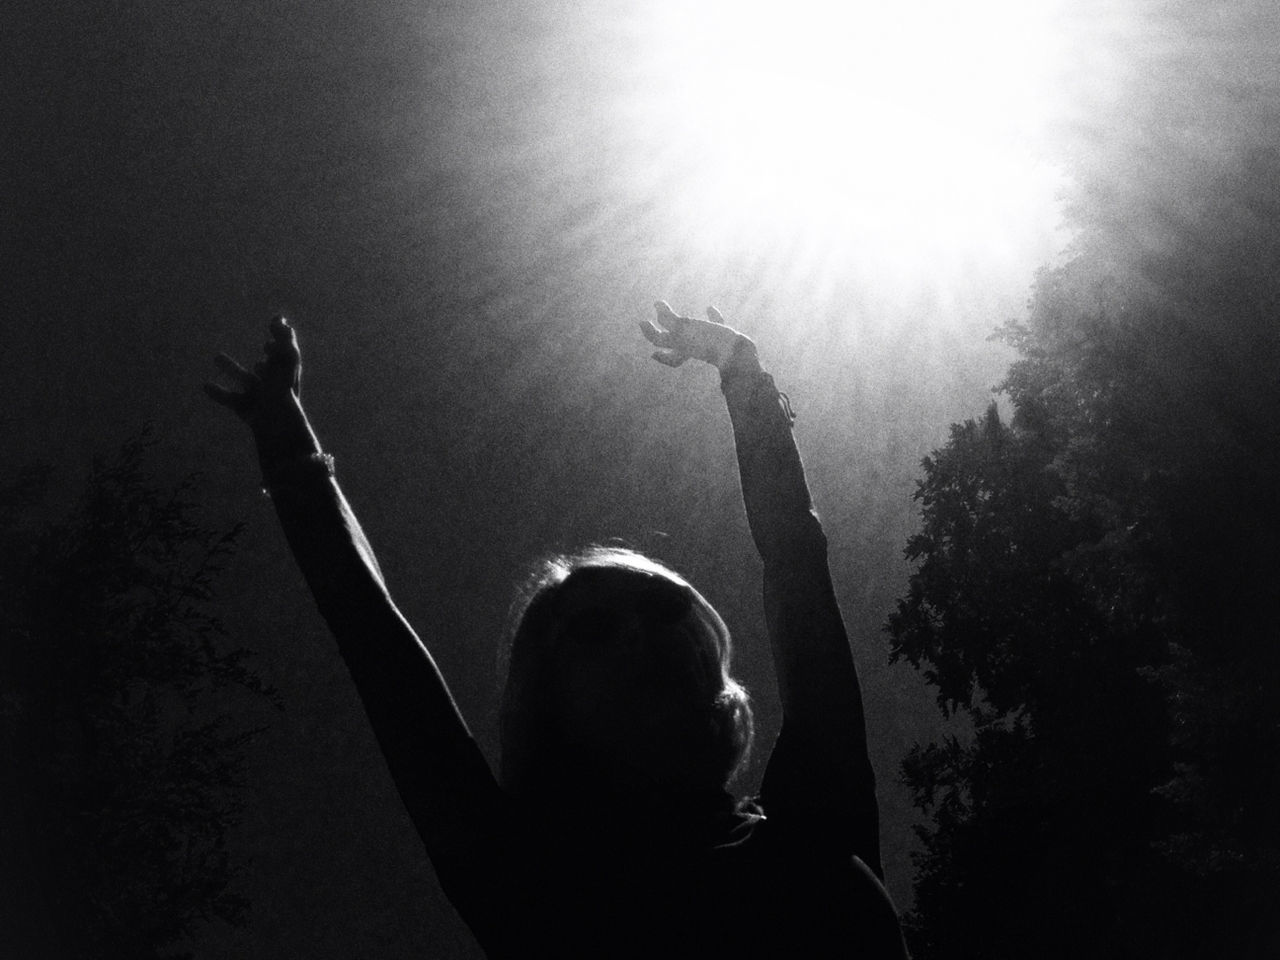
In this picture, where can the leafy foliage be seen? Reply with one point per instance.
(125, 759)
(1095, 591)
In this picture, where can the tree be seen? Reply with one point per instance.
(1095, 592)
(123, 755)
(1097, 576)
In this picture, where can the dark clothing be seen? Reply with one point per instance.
(701, 876)
(745, 887)
(736, 886)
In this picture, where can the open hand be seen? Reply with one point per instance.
(274, 382)
(712, 340)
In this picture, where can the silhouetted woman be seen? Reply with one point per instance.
(610, 832)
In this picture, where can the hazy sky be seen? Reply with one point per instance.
(466, 207)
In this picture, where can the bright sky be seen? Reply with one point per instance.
(898, 135)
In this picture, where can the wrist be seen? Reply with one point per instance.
(283, 435)
(742, 359)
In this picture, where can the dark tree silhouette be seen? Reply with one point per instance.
(1096, 591)
(122, 758)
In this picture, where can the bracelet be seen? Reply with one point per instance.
(298, 471)
(757, 381)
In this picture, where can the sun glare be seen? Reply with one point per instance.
(894, 131)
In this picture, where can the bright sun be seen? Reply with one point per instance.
(893, 130)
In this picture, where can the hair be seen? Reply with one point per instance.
(551, 609)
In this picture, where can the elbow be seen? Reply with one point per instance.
(795, 542)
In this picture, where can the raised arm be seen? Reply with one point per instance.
(819, 772)
(441, 775)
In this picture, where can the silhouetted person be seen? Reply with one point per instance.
(610, 832)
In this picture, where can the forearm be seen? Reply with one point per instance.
(428, 748)
(774, 490)
(299, 479)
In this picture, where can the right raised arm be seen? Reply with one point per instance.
(442, 777)
(819, 773)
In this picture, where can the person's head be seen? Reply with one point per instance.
(618, 671)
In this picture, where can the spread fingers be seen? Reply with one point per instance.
(656, 335)
(672, 358)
